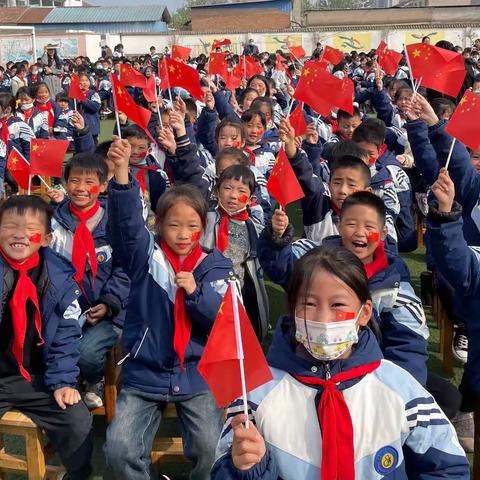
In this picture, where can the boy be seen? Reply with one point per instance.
(79, 229)
(38, 366)
(370, 136)
(64, 129)
(346, 125)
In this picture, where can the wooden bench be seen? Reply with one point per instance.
(33, 464)
(445, 326)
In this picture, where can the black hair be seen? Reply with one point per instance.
(246, 92)
(264, 80)
(61, 97)
(440, 105)
(257, 103)
(400, 90)
(134, 131)
(25, 91)
(7, 100)
(337, 261)
(343, 115)
(236, 154)
(250, 114)
(229, 122)
(370, 131)
(366, 199)
(33, 203)
(87, 162)
(103, 148)
(347, 148)
(238, 172)
(446, 45)
(425, 37)
(353, 163)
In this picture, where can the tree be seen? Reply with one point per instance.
(182, 18)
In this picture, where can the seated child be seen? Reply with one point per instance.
(40, 334)
(323, 415)
(79, 229)
(177, 288)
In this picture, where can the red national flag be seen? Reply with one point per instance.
(388, 59)
(279, 63)
(46, 156)
(439, 69)
(180, 53)
(221, 43)
(124, 103)
(248, 67)
(232, 81)
(297, 52)
(332, 55)
(217, 64)
(220, 366)
(297, 121)
(464, 124)
(322, 91)
(131, 77)
(150, 89)
(283, 183)
(176, 74)
(74, 90)
(19, 168)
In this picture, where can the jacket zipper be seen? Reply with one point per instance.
(328, 375)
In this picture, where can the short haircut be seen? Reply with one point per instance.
(33, 203)
(347, 148)
(249, 115)
(441, 105)
(87, 162)
(352, 163)
(400, 90)
(229, 122)
(24, 91)
(238, 172)
(370, 131)
(7, 100)
(257, 103)
(134, 131)
(343, 115)
(236, 154)
(61, 97)
(103, 148)
(366, 199)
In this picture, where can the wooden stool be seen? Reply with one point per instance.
(40, 190)
(420, 229)
(33, 464)
(445, 325)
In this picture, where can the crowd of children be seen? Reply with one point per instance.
(140, 242)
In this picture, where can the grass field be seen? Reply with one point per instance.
(416, 264)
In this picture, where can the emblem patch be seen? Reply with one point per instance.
(386, 459)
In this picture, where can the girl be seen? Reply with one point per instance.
(247, 97)
(260, 84)
(265, 105)
(177, 289)
(233, 227)
(90, 107)
(44, 104)
(19, 80)
(326, 363)
(27, 111)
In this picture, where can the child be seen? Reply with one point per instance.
(265, 105)
(27, 112)
(90, 107)
(327, 364)
(49, 108)
(164, 336)
(234, 229)
(64, 128)
(39, 292)
(346, 125)
(79, 229)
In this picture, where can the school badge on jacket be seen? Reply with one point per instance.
(385, 460)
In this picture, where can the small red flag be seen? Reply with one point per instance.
(464, 124)
(74, 90)
(131, 77)
(180, 53)
(150, 89)
(220, 366)
(341, 316)
(248, 67)
(388, 59)
(297, 121)
(279, 65)
(176, 74)
(232, 80)
(283, 183)
(439, 69)
(46, 156)
(332, 55)
(124, 103)
(297, 52)
(18, 166)
(217, 64)
(221, 43)
(322, 91)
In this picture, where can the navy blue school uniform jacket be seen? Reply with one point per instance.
(90, 108)
(37, 121)
(59, 310)
(111, 285)
(150, 363)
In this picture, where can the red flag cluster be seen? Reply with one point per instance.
(131, 77)
(248, 67)
(217, 64)
(74, 90)
(464, 124)
(388, 59)
(297, 121)
(297, 52)
(439, 69)
(176, 74)
(221, 43)
(19, 168)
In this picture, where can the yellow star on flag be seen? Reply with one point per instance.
(416, 53)
(306, 72)
(35, 148)
(171, 68)
(463, 100)
(119, 91)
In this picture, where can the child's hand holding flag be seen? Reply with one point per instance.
(444, 191)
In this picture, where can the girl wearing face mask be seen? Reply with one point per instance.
(335, 409)
(47, 106)
(27, 111)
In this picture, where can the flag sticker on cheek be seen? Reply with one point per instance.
(341, 316)
(243, 198)
(373, 237)
(196, 236)
(236, 144)
(93, 189)
(35, 237)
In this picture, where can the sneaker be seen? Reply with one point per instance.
(460, 345)
(93, 396)
(107, 111)
(465, 427)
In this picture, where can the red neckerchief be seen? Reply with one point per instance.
(383, 149)
(251, 154)
(83, 244)
(338, 461)
(47, 107)
(182, 324)
(33, 78)
(24, 290)
(222, 234)
(337, 211)
(5, 135)
(140, 175)
(379, 263)
(28, 114)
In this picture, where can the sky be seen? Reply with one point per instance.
(172, 5)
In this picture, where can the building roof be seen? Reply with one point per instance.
(218, 3)
(146, 13)
(34, 15)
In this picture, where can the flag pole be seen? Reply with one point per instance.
(240, 354)
(290, 107)
(117, 118)
(299, 61)
(29, 184)
(168, 80)
(75, 104)
(158, 106)
(38, 176)
(447, 163)
(409, 66)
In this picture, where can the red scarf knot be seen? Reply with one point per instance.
(83, 245)
(379, 263)
(182, 323)
(222, 234)
(338, 459)
(47, 107)
(5, 134)
(140, 175)
(24, 290)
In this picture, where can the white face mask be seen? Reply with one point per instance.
(27, 106)
(327, 341)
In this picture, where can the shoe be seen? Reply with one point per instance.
(460, 345)
(93, 396)
(463, 423)
(63, 476)
(107, 111)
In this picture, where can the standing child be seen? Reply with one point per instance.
(27, 112)
(64, 128)
(90, 107)
(177, 289)
(326, 363)
(45, 104)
